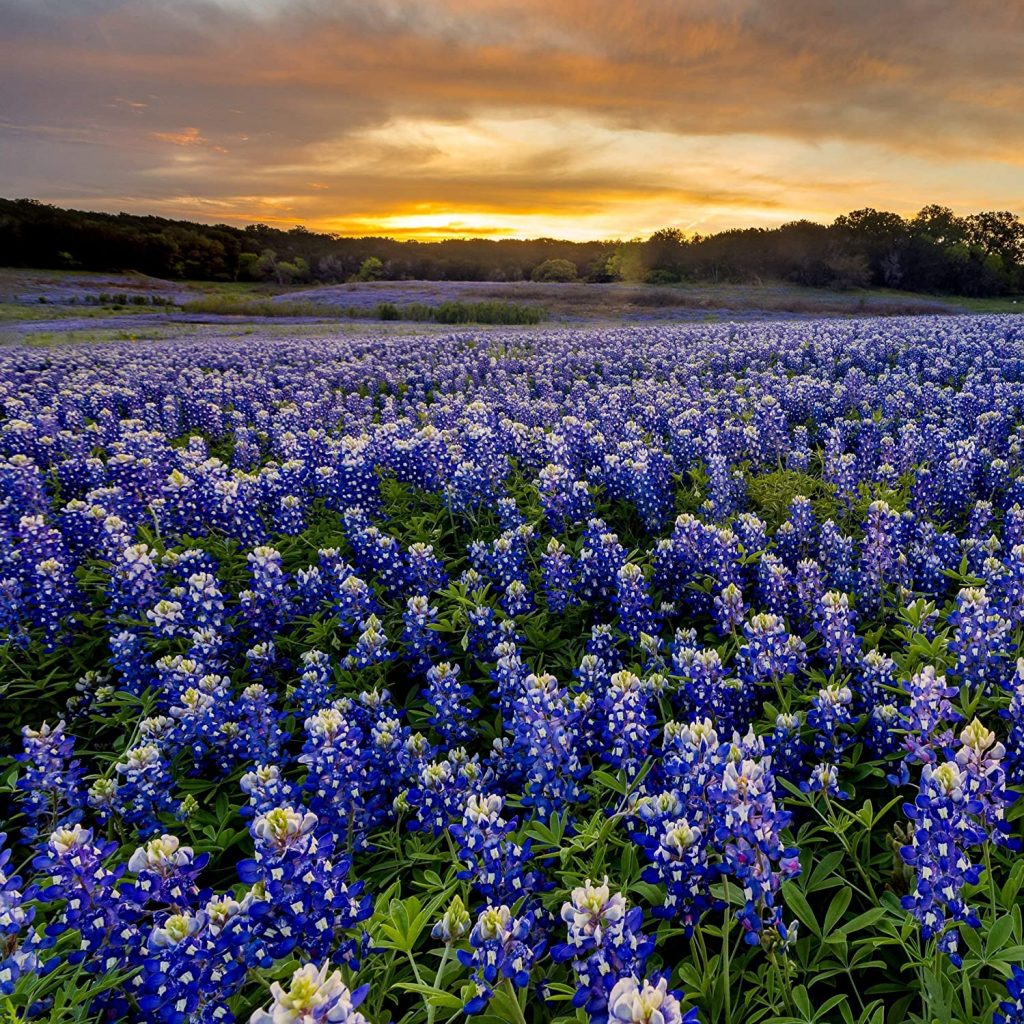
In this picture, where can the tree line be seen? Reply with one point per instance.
(935, 251)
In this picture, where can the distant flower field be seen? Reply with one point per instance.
(641, 676)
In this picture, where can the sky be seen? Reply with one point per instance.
(512, 118)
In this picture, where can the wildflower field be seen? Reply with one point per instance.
(641, 675)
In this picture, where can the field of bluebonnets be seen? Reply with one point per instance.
(645, 675)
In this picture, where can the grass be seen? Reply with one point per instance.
(232, 305)
(21, 312)
(463, 313)
(1003, 304)
(490, 312)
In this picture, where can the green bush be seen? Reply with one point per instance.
(554, 270)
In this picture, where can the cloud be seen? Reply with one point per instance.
(185, 137)
(598, 116)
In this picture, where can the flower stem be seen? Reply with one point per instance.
(431, 1009)
(514, 1000)
(725, 954)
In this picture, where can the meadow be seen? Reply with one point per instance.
(643, 674)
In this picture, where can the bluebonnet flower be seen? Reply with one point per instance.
(628, 722)
(266, 789)
(438, 792)
(499, 868)
(484, 633)
(88, 899)
(315, 995)
(291, 515)
(836, 556)
(836, 624)
(502, 947)
(165, 873)
(134, 581)
(267, 604)
(752, 852)
(808, 587)
(729, 610)
(354, 603)
(633, 602)
(882, 736)
(558, 577)
(775, 585)
(544, 726)
(945, 828)
(604, 943)
(831, 719)
(342, 783)
(453, 713)
(879, 555)
(453, 924)
(507, 559)
(979, 636)
(426, 570)
(48, 593)
(1014, 714)
(927, 716)
(600, 560)
(371, 648)
(633, 1002)
(195, 963)
(565, 501)
(981, 757)
(769, 652)
(20, 946)
(51, 783)
(678, 851)
(145, 789)
(516, 600)
(787, 747)
(1011, 1009)
(315, 683)
(309, 903)
(420, 641)
(824, 778)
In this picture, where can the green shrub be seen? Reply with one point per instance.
(770, 495)
(554, 270)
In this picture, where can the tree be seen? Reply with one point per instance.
(554, 270)
(265, 266)
(938, 224)
(998, 231)
(663, 255)
(626, 262)
(371, 269)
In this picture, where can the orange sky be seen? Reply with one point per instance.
(566, 118)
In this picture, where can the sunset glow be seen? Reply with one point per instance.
(569, 119)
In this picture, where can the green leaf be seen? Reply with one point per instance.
(802, 1001)
(865, 920)
(797, 902)
(609, 781)
(837, 908)
(435, 996)
(823, 870)
(999, 934)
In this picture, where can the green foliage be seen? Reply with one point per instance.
(772, 493)
(554, 270)
(371, 269)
